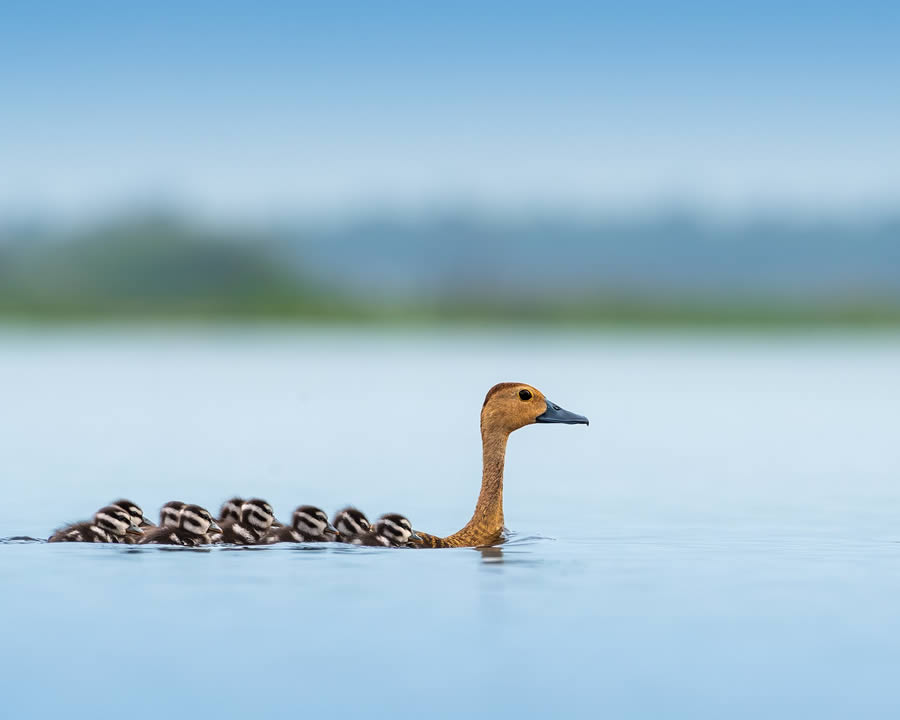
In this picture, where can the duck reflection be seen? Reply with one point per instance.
(491, 554)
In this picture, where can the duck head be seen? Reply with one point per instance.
(196, 520)
(170, 513)
(257, 515)
(351, 522)
(115, 521)
(231, 509)
(137, 515)
(396, 529)
(312, 522)
(510, 406)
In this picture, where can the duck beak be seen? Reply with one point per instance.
(145, 521)
(330, 529)
(134, 530)
(214, 526)
(555, 414)
(415, 536)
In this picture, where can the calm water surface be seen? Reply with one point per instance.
(722, 541)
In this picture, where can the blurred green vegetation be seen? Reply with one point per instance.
(150, 269)
(162, 269)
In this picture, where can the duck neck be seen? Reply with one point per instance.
(487, 521)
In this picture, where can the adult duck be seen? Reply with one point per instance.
(507, 407)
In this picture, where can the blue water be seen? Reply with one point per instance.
(722, 541)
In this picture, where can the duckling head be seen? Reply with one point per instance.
(257, 515)
(351, 522)
(170, 513)
(137, 515)
(196, 520)
(312, 522)
(509, 406)
(396, 529)
(115, 521)
(231, 509)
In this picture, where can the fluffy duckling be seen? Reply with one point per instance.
(170, 513)
(134, 510)
(231, 509)
(309, 524)
(350, 523)
(391, 530)
(137, 518)
(256, 519)
(194, 522)
(111, 524)
(229, 512)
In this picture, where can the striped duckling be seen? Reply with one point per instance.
(350, 523)
(391, 530)
(194, 524)
(111, 524)
(256, 518)
(170, 513)
(309, 524)
(231, 509)
(137, 518)
(229, 512)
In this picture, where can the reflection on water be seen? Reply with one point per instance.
(721, 542)
(493, 555)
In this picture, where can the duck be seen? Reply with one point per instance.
(111, 524)
(390, 530)
(507, 407)
(256, 519)
(170, 513)
(349, 523)
(230, 511)
(134, 510)
(137, 518)
(309, 524)
(194, 524)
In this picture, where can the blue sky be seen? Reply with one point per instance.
(253, 108)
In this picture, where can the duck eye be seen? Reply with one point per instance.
(525, 394)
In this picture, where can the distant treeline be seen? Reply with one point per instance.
(668, 269)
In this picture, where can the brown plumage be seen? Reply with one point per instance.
(111, 524)
(507, 407)
(194, 524)
(137, 518)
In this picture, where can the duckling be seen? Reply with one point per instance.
(111, 524)
(134, 510)
(137, 518)
(170, 513)
(231, 509)
(310, 524)
(256, 519)
(507, 407)
(349, 523)
(391, 530)
(194, 522)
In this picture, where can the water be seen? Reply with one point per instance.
(722, 541)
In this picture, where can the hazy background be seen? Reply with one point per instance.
(382, 162)
(641, 208)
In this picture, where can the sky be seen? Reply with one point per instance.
(254, 109)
